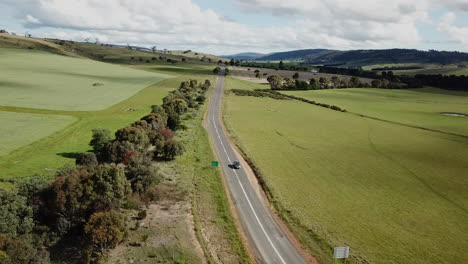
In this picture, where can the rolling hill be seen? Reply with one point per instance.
(353, 58)
(244, 56)
(292, 55)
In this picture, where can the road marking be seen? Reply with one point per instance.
(248, 200)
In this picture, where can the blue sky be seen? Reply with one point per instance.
(231, 26)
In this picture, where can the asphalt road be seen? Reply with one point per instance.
(269, 242)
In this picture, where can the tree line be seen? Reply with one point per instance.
(83, 203)
(280, 96)
(279, 83)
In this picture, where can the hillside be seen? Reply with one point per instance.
(244, 56)
(291, 55)
(367, 57)
(356, 58)
(111, 53)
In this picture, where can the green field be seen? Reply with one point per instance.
(46, 155)
(416, 107)
(426, 68)
(20, 129)
(393, 193)
(36, 79)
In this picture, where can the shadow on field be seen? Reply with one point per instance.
(70, 155)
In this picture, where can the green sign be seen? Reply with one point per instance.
(214, 164)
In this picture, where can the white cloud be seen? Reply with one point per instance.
(180, 24)
(457, 34)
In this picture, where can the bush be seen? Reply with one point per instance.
(16, 216)
(105, 230)
(86, 159)
(172, 149)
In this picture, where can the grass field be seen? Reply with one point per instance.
(416, 107)
(20, 129)
(52, 152)
(36, 79)
(426, 68)
(393, 193)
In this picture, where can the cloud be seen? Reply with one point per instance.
(182, 24)
(456, 34)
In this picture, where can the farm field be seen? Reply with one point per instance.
(393, 193)
(425, 68)
(246, 74)
(20, 129)
(421, 107)
(44, 156)
(36, 79)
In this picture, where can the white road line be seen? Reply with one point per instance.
(248, 200)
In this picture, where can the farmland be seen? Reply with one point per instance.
(19, 129)
(35, 79)
(417, 107)
(341, 179)
(49, 105)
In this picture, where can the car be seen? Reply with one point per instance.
(236, 164)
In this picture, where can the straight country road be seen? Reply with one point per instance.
(268, 240)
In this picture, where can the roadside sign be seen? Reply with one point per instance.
(340, 252)
(214, 164)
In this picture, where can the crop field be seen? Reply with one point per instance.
(393, 193)
(20, 129)
(417, 107)
(36, 79)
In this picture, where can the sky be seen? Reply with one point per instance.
(225, 27)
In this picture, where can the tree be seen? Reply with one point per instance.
(376, 83)
(275, 81)
(99, 140)
(355, 82)
(17, 251)
(281, 65)
(87, 190)
(313, 84)
(323, 83)
(301, 85)
(335, 81)
(226, 71)
(135, 135)
(258, 75)
(86, 159)
(105, 230)
(179, 105)
(153, 49)
(217, 70)
(288, 84)
(157, 119)
(296, 76)
(16, 216)
(172, 149)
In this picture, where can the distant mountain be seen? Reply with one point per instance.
(243, 56)
(385, 56)
(291, 55)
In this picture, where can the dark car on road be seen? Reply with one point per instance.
(236, 164)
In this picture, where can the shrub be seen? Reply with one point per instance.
(105, 230)
(86, 159)
(172, 149)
